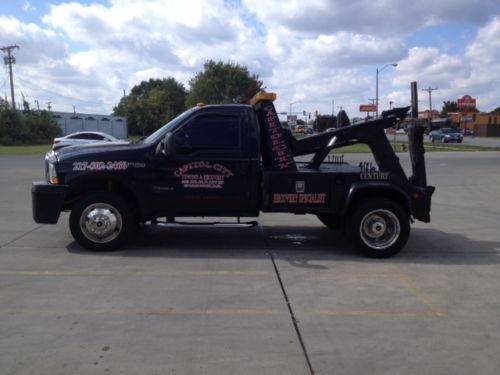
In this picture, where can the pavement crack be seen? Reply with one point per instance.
(19, 237)
(292, 315)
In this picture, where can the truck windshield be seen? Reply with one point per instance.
(160, 133)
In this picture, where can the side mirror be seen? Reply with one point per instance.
(165, 147)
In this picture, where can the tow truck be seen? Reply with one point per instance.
(238, 161)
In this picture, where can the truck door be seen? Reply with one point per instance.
(210, 172)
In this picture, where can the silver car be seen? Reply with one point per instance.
(83, 138)
(446, 135)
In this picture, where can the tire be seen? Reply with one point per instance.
(330, 220)
(379, 228)
(101, 221)
(459, 141)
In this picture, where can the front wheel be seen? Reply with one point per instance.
(379, 228)
(101, 221)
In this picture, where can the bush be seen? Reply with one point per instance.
(31, 127)
(41, 127)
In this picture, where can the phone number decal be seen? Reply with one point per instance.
(100, 165)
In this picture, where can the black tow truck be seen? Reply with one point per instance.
(238, 161)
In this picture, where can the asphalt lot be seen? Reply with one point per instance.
(212, 301)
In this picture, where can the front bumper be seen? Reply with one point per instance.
(47, 201)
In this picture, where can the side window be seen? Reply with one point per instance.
(209, 132)
(80, 136)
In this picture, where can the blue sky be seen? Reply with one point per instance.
(85, 53)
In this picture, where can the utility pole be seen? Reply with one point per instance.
(49, 107)
(430, 90)
(9, 60)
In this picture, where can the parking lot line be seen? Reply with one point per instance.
(432, 311)
(166, 311)
(134, 273)
(372, 314)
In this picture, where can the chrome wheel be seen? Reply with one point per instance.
(101, 222)
(379, 229)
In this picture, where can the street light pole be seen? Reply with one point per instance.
(292, 103)
(376, 83)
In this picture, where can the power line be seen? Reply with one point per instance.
(9, 60)
(53, 93)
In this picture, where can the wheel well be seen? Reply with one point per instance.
(382, 192)
(80, 188)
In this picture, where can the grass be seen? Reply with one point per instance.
(25, 150)
(358, 148)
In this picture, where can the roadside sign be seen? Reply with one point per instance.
(367, 108)
(292, 120)
(466, 103)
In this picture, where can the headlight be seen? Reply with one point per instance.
(51, 160)
(53, 174)
(447, 136)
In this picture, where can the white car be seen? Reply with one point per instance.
(83, 138)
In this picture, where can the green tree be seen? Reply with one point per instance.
(496, 111)
(223, 83)
(151, 104)
(30, 127)
(41, 127)
(448, 107)
(12, 127)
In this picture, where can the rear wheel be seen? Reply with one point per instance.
(101, 221)
(378, 228)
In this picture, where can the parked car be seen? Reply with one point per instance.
(445, 135)
(83, 138)
(466, 132)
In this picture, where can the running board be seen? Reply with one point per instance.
(216, 224)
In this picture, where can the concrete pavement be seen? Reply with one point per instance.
(219, 301)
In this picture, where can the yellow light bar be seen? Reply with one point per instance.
(200, 104)
(262, 95)
(54, 180)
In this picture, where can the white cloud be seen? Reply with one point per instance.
(315, 51)
(379, 17)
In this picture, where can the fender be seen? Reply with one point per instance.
(83, 182)
(376, 188)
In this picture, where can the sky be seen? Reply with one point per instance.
(317, 55)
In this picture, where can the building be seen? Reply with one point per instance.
(482, 124)
(76, 122)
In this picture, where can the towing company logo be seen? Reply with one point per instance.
(300, 196)
(211, 176)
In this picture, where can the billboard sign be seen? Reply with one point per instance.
(367, 108)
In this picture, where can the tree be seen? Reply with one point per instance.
(30, 127)
(449, 106)
(223, 83)
(151, 104)
(41, 127)
(496, 111)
